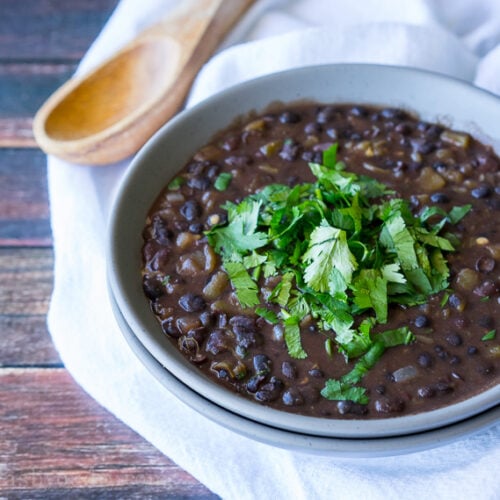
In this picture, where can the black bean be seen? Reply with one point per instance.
(212, 171)
(426, 148)
(180, 225)
(440, 351)
(434, 131)
(486, 322)
(199, 182)
(207, 318)
(472, 350)
(456, 301)
(288, 370)
(331, 132)
(196, 228)
(316, 373)
(222, 320)
(245, 330)
(198, 334)
(238, 161)
(443, 387)
(231, 143)
(289, 117)
(422, 321)
(389, 405)
(425, 360)
(160, 232)
(254, 383)
(485, 264)
(486, 288)
(270, 390)
(242, 322)
(152, 286)
(326, 114)
(439, 198)
(313, 128)
(455, 360)
(292, 397)
(454, 339)
(196, 167)
(380, 389)
(307, 156)
(345, 407)
(169, 326)
(219, 340)
(191, 210)
(290, 150)
(426, 392)
(359, 111)
(393, 113)
(481, 192)
(261, 364)
(191, 302)
(403, 128)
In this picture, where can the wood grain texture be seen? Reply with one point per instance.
(25, 341)
(25, 86)
(45, 30)
(24, 210)
(26, 277)
(57, 440)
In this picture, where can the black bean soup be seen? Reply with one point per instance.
(453, 348)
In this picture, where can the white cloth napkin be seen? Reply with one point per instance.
(459, 38)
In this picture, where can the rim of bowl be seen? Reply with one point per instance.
(432, 96)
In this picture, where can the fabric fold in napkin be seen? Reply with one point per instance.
(459, 38)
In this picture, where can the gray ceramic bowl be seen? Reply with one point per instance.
(433, 97)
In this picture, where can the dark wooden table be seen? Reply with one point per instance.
(55, 441)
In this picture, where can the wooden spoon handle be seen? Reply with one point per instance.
(199, 26)
(108, 114)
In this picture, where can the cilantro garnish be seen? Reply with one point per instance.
(338, 248)
(490, 335)
(222, 181)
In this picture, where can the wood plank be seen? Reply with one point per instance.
(50, 29)
(17, 133)
(25, 341)
(26, 275)
(24, 87)
(57, 441)
(24, 206)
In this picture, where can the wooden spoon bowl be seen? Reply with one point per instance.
(108, 114)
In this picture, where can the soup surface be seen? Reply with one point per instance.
(333, 260)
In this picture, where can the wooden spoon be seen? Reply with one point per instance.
(108, 114)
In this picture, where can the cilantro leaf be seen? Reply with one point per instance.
(292, 338)
(328, 250)
(245, 287)
(490, 335)
(340, 391)
(240, 234)
(222, 181)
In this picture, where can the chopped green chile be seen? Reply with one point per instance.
(351, 292)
